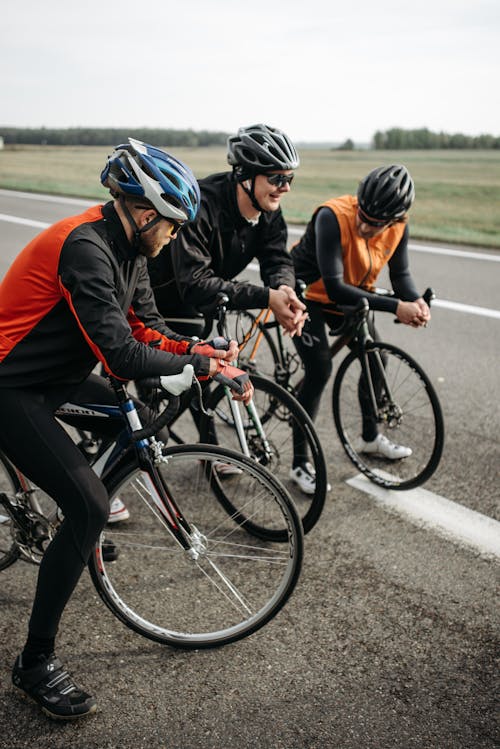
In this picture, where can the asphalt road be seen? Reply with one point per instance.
(391, 637)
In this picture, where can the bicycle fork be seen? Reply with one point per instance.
(373, 370)
(240, 428)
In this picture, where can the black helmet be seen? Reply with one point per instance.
(386, 192)
(260, 148)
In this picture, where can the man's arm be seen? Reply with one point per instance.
(412, 309)
(196, 254)
(331, 267)
(276, 264)
(87, 284)
(144, 305)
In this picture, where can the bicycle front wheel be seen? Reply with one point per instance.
(408, 414)
(258, 352)
(225, 585)
(284, 422)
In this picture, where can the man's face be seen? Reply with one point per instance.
(154, 239)
(269, 195)
(368, 231)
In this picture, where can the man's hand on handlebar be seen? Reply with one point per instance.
(235, 378)
(217, 348)
(416, 314)
(288, 310)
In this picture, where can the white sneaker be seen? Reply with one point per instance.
(304, 478)
(118, 511)
(226, 469)
(383, 447)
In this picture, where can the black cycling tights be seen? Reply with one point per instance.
(41, 448)
(313, 349)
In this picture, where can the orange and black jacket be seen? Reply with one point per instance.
(340, 267)
(61, 309)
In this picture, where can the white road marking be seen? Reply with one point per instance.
(451, 520)
(48, 198)
(23, 221)
(467, 308)
(454, 253)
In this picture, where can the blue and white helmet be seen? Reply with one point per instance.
(145, 171)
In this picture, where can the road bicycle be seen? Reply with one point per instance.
(263, 430)
(393, 386)
(191, 568)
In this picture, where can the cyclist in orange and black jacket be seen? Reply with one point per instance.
(345, 246)
(76, 295)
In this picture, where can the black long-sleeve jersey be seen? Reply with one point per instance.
(215, 248)
(321, 256)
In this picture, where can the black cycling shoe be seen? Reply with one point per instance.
(53, 689)
(109, 551)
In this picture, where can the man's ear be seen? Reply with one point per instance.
(147, 216)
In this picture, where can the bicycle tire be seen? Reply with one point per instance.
(280, 412)
(227, 585)
(10, 484)
(415, 420)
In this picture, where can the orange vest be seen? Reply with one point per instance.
(363, 258)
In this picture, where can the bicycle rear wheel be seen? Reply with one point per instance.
(9, 483)
(281, 415)
(408, 414)
(38, 512)
(227, 584)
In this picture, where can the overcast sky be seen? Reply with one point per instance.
(320, 70)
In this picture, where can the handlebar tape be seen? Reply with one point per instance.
(235, 383)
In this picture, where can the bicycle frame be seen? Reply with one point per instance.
(356, 330)
(116, 452)
(262, 319)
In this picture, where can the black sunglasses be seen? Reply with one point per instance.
(373, 222)
(280, 180)
(176, 224)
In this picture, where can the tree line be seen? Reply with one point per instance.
(399, 138)
(86, 136)
(393, 139)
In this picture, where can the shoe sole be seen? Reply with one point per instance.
(46, 711)
(383, 457)
(307, 492)
(119, 518)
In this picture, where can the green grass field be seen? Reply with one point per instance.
(458, 192)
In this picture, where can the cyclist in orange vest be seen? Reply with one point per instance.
(340, 256)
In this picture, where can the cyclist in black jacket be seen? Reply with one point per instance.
(76, 295)
(240, 220)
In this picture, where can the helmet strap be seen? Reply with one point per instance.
(250, 191)
(136, 241)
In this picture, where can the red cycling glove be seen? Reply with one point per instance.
(207, 348)
(231, 376)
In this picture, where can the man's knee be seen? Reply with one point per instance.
(97, 505)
